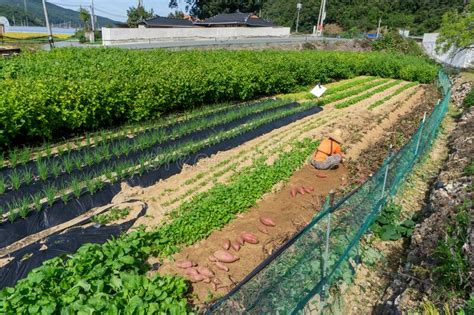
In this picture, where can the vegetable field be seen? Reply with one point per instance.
(71, 238)
(47, 95)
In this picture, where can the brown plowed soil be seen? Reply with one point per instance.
(290, 215)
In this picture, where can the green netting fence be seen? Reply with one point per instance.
(306, 266)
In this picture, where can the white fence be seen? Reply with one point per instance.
(117, 36)
(463, 59)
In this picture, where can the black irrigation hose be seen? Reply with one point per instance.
(60, 212)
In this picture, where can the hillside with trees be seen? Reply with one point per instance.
(14, 10)
(419, 16)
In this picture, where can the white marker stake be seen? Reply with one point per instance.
(318, 90)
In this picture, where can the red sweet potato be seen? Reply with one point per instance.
(221, 266)
(197, 278)
(308, 189)
(192, 271)
(205, 271)
(235, 245)
(249, 237)
(267, 221)
(293, 192)
(321, 175)
(224, 256)
(240, 240)
(226, 245)
(184, 264)
(301, 190)
(212, 258)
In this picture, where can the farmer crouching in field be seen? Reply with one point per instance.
(329, 153)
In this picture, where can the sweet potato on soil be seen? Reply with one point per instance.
(197, 278)
(249, 237)
(205, 271)
(240, 240)
(308, 189)
(192, 271)
(224, 256)
(301, 190)
(184, 264)
(293, 192)
(267, 221)
(221, 266)
(212, 258)
(321, 175)
(235, 245)
(226, 245)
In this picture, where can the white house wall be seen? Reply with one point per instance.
(463, 59)
(111, 36)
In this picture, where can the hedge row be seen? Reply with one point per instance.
(50, 94)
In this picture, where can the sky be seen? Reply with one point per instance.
(117, 9)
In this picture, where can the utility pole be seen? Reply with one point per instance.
(92, 37)
(318, 30)
(299, 6)
(26, 11)
(50, 32)
(378, 27)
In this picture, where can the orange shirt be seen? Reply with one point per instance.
(326, 148)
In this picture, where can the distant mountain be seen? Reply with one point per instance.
(14, 10)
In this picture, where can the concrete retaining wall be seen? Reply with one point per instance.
(463, 59)
(115, 36)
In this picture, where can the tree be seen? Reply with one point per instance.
(85, 17)
(207, 8)
(136, 14)
(457, 31)
(176, 14)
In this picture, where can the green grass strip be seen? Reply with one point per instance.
(361, 97)
(112, 276)
(353, 91)
(398, 91)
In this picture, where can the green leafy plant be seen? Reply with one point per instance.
(68, 164)
(14, 158)
(24, 207)
(55, 168)
(42, 169)
(110, 216)
(15, 179)
(50, 194)
(27, 176)
(25, 155)
(3, 185)
(36, 201)
(76, 187)
(388, 225)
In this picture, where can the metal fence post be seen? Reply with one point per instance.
(326, 248)
(387, 165)
(421, 134)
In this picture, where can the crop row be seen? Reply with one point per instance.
(44, 169)
(116, 171)
(370, 93)
(51, 94)
(104, 278)
(21, 156)
(390, 96)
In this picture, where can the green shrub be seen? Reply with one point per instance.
(51, 94)
(469, 100)
(394, 43)
(389, 227)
